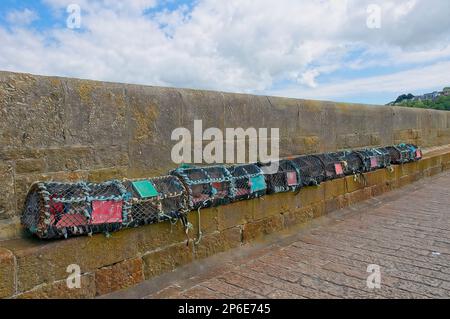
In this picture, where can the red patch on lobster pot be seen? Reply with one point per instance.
(373, 162)
(338, 169)
(419, 154)
(291, 178)
(106, 212)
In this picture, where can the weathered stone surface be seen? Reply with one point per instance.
(208, 219)
(311, 195)
(302, 215)
(353, 183)
(31, 111)
(377, 177)
(274, 205)
(262, 227)
(60, 290)
(235, 214)
(167, 259)
(119, 276)
(358, 196)
(7, 270)
(218, 242)
(30, 166)
(7, 203)
(334, 188)
(94, 113)
(44, 262)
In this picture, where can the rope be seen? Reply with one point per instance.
(200, 234)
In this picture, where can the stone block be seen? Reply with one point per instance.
(235, 214)
(334, 188)
(7, 271)
(218, 242)
(257, 229)
(119, 276)
(7, 200)
(209, 219)
(60, 290)
(358, 196)
(312, 194)
(275, 204)
(167, 259)
(26, 166)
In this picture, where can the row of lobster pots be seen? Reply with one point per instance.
(64, 209)
(217, 185)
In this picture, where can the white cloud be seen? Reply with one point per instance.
(21, 17)
(418, 79)
(235, 45)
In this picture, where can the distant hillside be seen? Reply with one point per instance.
(435, 100)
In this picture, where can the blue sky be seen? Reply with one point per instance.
(341, 50)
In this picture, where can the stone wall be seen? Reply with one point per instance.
(31, 268)
(69, 129)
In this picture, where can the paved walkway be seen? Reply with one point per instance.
(405, 232)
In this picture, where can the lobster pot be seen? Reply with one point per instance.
(248, 181)
(332, 164)
(415, 152)
(206, 186)
(54, 210)
(311, 168)
(352, 162)
(370, 161)
(286, 178)
(156, 200)
(383, 157)
(398, 156)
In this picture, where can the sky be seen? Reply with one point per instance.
(360, 51)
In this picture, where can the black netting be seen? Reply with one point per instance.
(369, 159)
(397, 156)
(248, 181)
(383, 157)
(63, 209)
(311, 168)
(286, 178)
(352, 162)
(206, 186)
(332, 164)
(156, 199)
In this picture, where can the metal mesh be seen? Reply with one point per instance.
(311, 168)
(248, 181)
(55, 210)
(286, 179)
(156, 200)
(352, 162)
(206, 186)
(332, 164)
